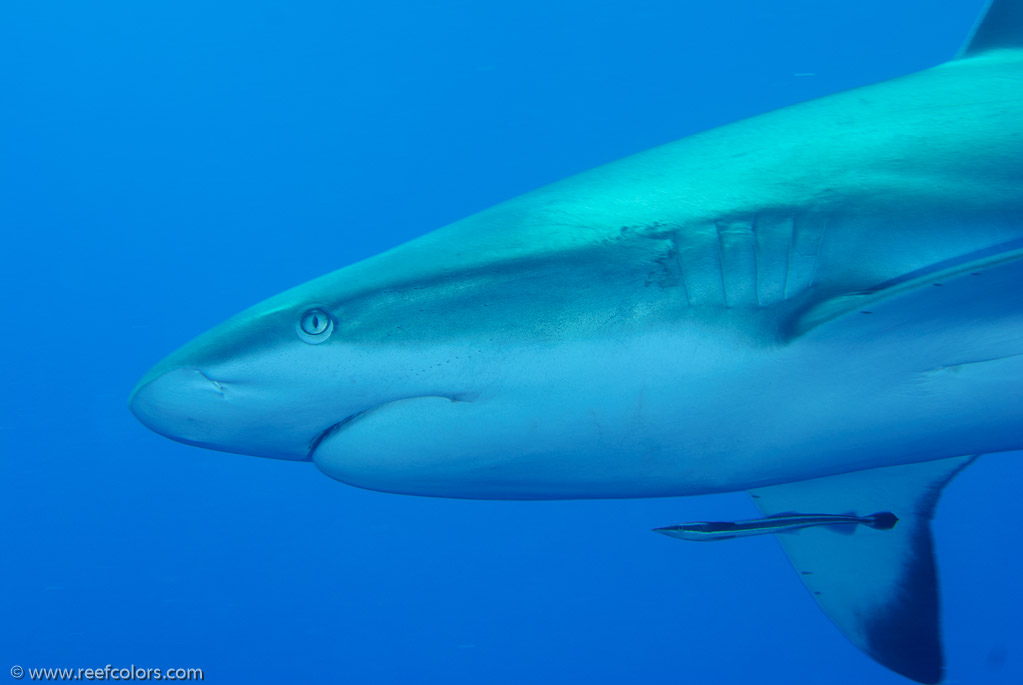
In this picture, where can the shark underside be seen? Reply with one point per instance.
(819, 305)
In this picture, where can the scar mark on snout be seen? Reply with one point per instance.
(216, 384)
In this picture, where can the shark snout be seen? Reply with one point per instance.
(183, 404)
(191, 405)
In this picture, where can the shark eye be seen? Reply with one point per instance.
(315, 326)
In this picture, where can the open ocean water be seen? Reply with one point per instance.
(164, 165)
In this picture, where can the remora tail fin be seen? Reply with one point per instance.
(878, 586)
(1000, 26)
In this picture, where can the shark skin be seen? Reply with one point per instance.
(678, 274)
(827, 289)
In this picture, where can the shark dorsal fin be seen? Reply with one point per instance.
(1000, 27)
(878, 586)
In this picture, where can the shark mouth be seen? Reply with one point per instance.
(352, 418)
(330, 430)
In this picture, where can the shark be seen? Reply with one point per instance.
(819, 305)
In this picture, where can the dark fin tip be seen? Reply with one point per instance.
(904, 635)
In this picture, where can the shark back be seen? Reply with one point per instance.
(780, 211)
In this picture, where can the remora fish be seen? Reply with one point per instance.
(752, 308)
(706, 531)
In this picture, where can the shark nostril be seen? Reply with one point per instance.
(217, 385)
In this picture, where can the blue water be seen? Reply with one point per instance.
(166, 164)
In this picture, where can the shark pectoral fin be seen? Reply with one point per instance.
(878, 586)
(978, 287)
(1000, 27)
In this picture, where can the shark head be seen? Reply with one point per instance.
(459, 364)
(434, 346)
(277, 379)
(253, 385)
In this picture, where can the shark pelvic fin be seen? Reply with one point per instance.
(878, 586)
(1000, 27)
